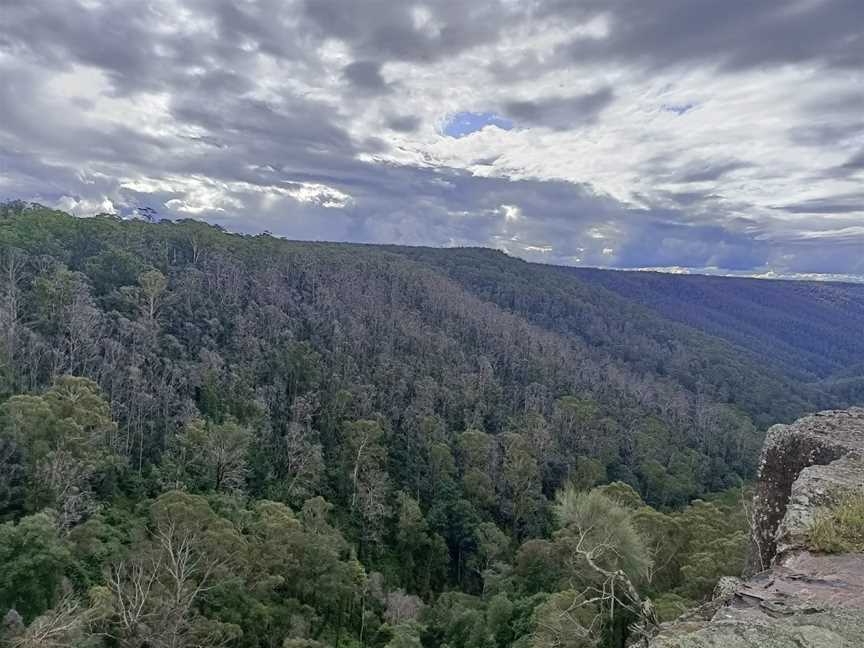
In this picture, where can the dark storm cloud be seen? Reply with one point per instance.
(563, 216)
(366, 77)
(670, 242)
(689, 198)
(834, 123)
(295, 128)
(127, 40)
(451, 206)
(118, 42)
(676, 169)
(403, 123)
(30, 176)
(856, 162)
(668, 33)
(834, 205)
(731, 36)
(385, 30)
(560, 113)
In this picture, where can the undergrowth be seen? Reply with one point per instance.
(840, 529)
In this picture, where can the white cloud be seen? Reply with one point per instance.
(310, 192)
(512, 213)
(200, 194)
(84, 207)
(686, 164)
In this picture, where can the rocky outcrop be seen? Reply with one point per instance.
(794, 597)
(802, 466)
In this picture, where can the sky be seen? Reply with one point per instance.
(687, 135)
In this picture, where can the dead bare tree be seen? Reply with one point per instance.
(12, 273)
(154, 596)
(60, 627)
(302, 457)
(131, 584)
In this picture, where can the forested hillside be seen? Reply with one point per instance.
(811, 329)
(707, 360)
(213, 439)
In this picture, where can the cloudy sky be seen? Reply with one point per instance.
(681, 134)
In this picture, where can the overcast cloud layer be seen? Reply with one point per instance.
(685, 134)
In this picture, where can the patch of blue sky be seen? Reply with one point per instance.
(461, 124)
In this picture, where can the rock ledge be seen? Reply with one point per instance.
(794, 597)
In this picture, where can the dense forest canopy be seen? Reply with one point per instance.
(212, 439)
(812, 330)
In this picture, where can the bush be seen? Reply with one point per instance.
(602, 527)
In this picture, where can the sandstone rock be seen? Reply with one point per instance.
(796, 598)
(816, 488)
(817, 440)
(734, 628)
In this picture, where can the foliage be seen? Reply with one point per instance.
(809, 330)
(841, 527)
(208, 456)
(717, 537)
(34, 560)
(208, 439)
(595, 528)
(563, 620)
(67, 436)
